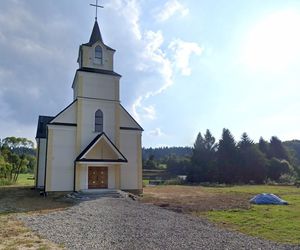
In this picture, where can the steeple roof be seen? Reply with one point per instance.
(96, 34)
(96, 37)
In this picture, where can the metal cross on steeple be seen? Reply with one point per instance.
(96, 6)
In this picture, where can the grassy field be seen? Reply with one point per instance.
(229, 207)
(25, 180)
(277, 223)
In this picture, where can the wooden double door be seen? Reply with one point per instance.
(97, 177)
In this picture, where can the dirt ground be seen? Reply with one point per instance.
(16, 200)
(23, 199)
(188, 199)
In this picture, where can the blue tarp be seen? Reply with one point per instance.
(265, 199)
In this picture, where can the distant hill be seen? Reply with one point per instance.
(293, 146)
(162, 152)
(23, 150)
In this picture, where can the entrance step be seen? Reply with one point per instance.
(99, 193)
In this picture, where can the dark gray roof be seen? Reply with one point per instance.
(96, 37)
(101, 71)
(96, 34)
(42, 126)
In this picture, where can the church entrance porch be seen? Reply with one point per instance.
(97, 177)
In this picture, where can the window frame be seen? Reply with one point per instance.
(99, 121)
(98, 54)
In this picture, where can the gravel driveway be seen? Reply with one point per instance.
(111, 223)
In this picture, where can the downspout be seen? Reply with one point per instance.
(74, 182)
(37, 163)
(45, 175)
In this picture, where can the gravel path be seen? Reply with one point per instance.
(110, 223)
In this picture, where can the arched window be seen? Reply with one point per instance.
(98, 53)
(98, 121)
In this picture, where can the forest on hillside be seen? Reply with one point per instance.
(229, 161)
(209, 160)
(17, 155)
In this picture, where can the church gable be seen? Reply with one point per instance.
(101, 149)
(67, 115)
(127, 121)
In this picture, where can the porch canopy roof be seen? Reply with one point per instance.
(101, 150)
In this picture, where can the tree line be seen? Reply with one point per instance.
(229, 161)
(17, 155)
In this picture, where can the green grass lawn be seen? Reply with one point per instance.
(277, 223)
(25, 180)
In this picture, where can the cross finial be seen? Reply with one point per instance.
(96, 6)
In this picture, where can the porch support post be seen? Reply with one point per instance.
(117, 176)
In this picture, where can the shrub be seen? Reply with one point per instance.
(287, 179)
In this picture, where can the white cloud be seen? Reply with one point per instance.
(182, 53)
(156, 132)
(130, 11)
(150, 112)
(171, 8)
(151, 62)
(154, 59)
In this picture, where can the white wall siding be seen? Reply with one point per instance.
(100, 86)
(129, 147)
(67, 116)
(126, 120)
(61, 170)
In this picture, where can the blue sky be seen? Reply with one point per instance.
(187, 65)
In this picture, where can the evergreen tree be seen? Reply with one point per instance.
(277, 150)
(263, 146)
(227, 156)
(203, 159)
(252, 162)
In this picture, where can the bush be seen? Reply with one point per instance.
(5, 182)
(287, 179)
(175, 181)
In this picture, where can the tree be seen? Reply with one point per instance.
(203, 167)
(252, 162)
(177, 165)
(277, 150)
(263, 146)
(277, 167)
(14, 152)
(150, 163)
(227, 158)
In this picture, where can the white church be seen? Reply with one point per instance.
(94, 143)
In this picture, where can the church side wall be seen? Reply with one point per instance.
(41, 162)
(60, 158)
(87, 123)
(131, 173)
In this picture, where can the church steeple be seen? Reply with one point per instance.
(96, 34)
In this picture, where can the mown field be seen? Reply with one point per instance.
(229, 207)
